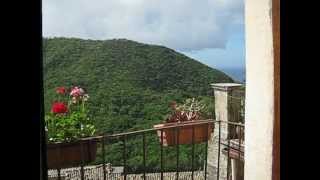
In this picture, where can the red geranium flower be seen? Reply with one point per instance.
(61, 90)
(59, 108)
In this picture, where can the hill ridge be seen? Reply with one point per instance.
(130, 86)
(107, 68)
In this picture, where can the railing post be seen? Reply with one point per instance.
(104, 157)
(144, 155)
(124, 153)
(161, 155)
(223, 104)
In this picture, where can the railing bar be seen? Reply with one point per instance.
(161, 155)
(231, 147)
(232, 123)
(206, 153)
(192, 158)
(228, 158)
(159, 128)
(213, 110)
(219, 141)
(239, 144)
(82, 161)
(124, 157)
(103, 158)
(167, 127)
(59, 154)
(59, 175)
(144, 155)
(177, 148)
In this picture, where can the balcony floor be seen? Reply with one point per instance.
(96, 173)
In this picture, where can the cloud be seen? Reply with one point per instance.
(179, 24)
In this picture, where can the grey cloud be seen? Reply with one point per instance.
(178, 24)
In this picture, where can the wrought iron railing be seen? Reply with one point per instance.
(233, 150)
(232, 147)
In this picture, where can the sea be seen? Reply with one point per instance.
(238, 74)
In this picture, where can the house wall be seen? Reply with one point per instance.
(259, 90)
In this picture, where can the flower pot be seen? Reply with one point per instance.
(202, 132)
(63, 155)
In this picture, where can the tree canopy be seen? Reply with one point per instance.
(130, 86)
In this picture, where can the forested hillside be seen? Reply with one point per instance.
(130, 85)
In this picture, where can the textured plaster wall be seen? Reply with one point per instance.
(259, 90)
(223, 104)
(221, 110)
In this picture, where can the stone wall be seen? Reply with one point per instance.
(225, 110)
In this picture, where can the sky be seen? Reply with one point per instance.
(210, 31)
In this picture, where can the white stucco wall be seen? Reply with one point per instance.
(259, 90)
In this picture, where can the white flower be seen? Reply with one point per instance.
(86, 97)
(74, 100)
(81, 91)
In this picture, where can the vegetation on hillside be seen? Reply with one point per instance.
(130, 86)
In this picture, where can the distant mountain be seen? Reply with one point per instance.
(130, 85)
(237, 73)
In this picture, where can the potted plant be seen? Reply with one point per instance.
(69, 130)
(190, 123)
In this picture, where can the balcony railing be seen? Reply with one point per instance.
(233, 148)
(225, 147)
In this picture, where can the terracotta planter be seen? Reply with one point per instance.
(63, 155)
(202, 132)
